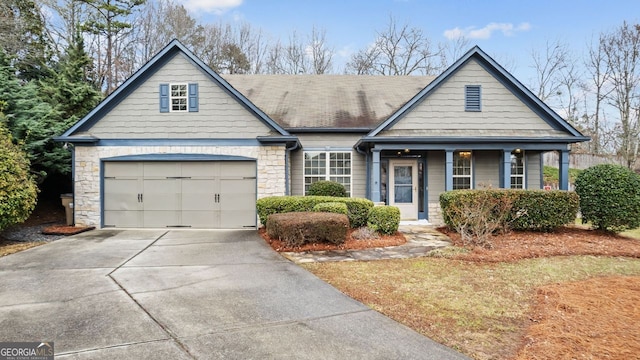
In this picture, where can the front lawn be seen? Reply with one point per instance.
(487, 309)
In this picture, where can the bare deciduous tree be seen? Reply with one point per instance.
(321, 55)
(398, 50)
(598, 71)
(548, 64)
(621, 49)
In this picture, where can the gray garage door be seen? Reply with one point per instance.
(197, 194)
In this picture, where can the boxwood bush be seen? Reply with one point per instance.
(327, 188)
(297, 229)
(357, 208)
(332, 207)
(609, 197)
(384, 219)
(536, 210)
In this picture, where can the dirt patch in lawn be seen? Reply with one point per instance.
(350, 244)
(566, 241)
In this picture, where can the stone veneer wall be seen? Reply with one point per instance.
(435, 214)
(271, 171)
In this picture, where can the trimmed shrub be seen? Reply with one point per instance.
(609, 197)
(18, 190)
(506, 209)
(327, 188)
(296, 229)
(384, 219)
(332, 207)
(357, 208)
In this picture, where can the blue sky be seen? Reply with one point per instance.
(507, 30)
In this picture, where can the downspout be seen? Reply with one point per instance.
(72, 149)
(367, 171)
(286, 166)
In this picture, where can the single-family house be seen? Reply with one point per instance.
(179, 145)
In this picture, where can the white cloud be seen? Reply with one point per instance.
(210, 6)
(471, 32)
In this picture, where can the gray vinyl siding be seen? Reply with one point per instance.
(443, 111)
(486, 168)
(138, 115)
(329, 142)
(533, 170)
(435, 175)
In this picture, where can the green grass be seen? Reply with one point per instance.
(635, 233)
(550, 174)
(479, 309)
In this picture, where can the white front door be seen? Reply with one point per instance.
(403, 187)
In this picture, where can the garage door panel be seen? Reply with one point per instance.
(162, 170)
(200, 170)
(238, 170)
(124, 170)
(237, 202)
(161, 194)
(122, 194)
(121, 218)
(161, 218)
(201, 219)
(198, 194)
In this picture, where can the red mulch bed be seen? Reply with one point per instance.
(349, 244)
(65, 230)
(565, 241)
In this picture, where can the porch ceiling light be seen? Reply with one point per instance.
(517, 151)
(406, 151)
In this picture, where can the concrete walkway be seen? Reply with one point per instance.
(421, 239)
(111, 294)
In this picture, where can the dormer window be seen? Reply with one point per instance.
(472, 98)
(179, 97)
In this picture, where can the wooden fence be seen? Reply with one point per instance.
(583, 161)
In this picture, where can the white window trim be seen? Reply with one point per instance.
(185, 97)
(327, 175)
(523, 175)
(470, 176)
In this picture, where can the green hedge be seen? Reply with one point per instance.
(384, 219)
(358, 208)
(327, 188)
(332, 207)
(609, 197)
(297, 229)
(536, 210)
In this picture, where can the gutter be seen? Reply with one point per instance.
(287, 191)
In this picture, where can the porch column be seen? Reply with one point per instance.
(448, 170)
(505, 182)
(563, 170)
(375, 175)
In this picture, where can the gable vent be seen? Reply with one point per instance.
(472, 98)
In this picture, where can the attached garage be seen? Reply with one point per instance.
(179, 191)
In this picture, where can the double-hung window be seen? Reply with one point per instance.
(179, 97)
(517, 169)
(462, 172)
(327, 165)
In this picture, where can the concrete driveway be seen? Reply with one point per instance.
(155, 294)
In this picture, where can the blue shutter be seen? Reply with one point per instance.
(193, 97)
(472, 98)
(164, 98)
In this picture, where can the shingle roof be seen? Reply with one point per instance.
(328, 101)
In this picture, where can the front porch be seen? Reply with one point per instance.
(412, 176)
